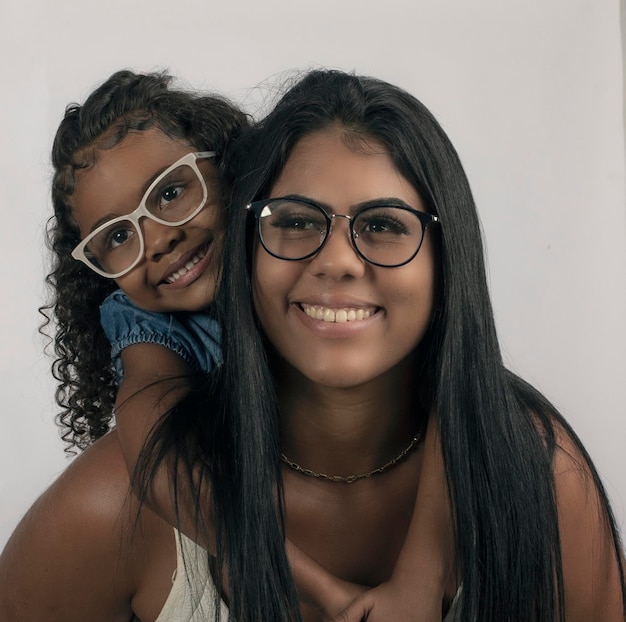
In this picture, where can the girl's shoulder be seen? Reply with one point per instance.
(84, 547)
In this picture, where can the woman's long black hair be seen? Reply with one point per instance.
(498, 434)
(125, 102)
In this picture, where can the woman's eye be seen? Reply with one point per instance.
(293, 222)
(297, 222)
(382, 225)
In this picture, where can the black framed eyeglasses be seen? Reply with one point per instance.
(294, 229)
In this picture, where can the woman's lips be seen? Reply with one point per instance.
(337, 314)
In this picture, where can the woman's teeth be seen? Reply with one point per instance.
(327, 314)
(172, 278)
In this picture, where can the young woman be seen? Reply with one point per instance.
(365, 265)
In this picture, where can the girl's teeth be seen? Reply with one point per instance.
(336, 315)
(172, 278)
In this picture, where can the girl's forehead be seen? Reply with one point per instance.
(150, 145)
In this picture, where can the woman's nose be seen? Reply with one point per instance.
(159, 239)
(338, 258)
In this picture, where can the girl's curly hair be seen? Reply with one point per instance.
(127, 101)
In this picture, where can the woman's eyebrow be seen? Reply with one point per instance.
(378, 202)
(382, 202)
(303, 197)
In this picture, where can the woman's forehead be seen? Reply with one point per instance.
(326, 167)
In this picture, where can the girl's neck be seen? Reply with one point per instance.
(347, 431)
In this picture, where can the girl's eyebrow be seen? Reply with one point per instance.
(104, 219)
(140, 193)
(152, 179)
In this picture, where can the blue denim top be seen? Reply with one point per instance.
(193, 336)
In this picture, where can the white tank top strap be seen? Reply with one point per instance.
(193, 594)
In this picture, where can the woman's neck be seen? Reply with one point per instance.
(347, 431)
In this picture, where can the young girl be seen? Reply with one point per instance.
(137, 126)
(138, 201)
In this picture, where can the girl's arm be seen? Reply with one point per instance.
(155, 380)
(154, 355)
(423, 580)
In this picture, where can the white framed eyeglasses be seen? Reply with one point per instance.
(177, 195)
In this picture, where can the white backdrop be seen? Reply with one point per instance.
(530, 91)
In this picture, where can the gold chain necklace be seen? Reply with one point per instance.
(349, 479)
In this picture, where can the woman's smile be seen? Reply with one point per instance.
(338, 315)
(334, 317)
(337, 321)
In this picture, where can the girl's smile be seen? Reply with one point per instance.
(180, 265)
(190, 267)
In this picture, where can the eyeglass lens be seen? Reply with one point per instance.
(384, 235)
(174, 199)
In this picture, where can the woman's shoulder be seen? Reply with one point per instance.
(89, 496)
(588, 547)
(96, 480)
(77, 546)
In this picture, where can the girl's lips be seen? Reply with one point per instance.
(189, 268)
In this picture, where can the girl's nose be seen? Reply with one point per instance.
(159, 239)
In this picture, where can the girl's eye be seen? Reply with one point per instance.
(118, 237)
(169, 194)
